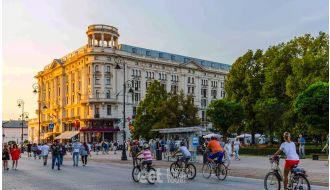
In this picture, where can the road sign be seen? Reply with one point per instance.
(195, 141)
(51, 126)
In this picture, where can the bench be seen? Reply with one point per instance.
(315, 156)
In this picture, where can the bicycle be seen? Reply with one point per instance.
(189, 168)
(297, 177)
(219, 169)
(146, 171)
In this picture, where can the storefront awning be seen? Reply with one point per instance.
(99, 129)
(67, 135)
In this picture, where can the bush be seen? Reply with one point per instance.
(271, 151)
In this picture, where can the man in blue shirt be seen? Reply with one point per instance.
(301, 142)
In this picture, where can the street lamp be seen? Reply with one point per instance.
(36, 89)
(119, 60)
(20, 104)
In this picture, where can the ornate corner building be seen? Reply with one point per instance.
(81, 94)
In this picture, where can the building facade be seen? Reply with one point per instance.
(82, 93)
(12, 131)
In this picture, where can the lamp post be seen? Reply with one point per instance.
(36, 90)
(119, 60)
(20, 104)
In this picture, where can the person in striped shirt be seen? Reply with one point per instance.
(146, 154)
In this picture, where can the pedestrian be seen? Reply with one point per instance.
(228, 152)
(326, 149)
(237, 144)
(5, 157)
(75, 153)
(34, 150)
(15, 155)
(63, 153)
(84, 152)
(44, 152)
(29, 149)
(90, 148)
(301, 141)
(134, 151)
(115, 145)
(98, 148)
(39, 151)
(56, 150)
(103, 147)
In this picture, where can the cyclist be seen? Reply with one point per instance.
(147, 155)
(292, 158)
(216, 149)
(186, 155)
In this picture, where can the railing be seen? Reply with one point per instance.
(102, 27)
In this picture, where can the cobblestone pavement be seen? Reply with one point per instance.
(32, 175)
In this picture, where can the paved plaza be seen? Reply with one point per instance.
(105, 173)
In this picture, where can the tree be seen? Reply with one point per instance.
(223, 114)
(312, 107)
(147, 113)
(269, 112)
(243, 84)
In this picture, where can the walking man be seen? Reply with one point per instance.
(301, 141)
(75, 153)
(44, 152)
(56, 150)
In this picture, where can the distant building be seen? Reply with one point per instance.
(12, 131)
(81, 94)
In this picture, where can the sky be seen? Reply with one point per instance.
(36, 32)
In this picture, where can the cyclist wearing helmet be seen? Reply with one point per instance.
(292, 158)
(186, 155)
(216, 149)
(147, 154)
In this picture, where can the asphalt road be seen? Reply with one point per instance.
(32, 175)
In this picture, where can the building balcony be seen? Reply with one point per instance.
(96, 100)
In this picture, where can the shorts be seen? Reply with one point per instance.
(218, 155)
(185, 159)
(290, 163)
(148, 162)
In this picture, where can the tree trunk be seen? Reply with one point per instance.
(225, 135)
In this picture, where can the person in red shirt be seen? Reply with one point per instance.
(216, 149)
(15, 153)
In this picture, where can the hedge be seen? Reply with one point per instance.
(271, 151)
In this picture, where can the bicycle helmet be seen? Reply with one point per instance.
(146, 146)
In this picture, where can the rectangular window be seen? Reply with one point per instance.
(148, 53)
(108, 109)
(134, 111)
(172, 57)
(134, 50)
(72, 87)
(97, 110)
(108, 94)
(97, 81)
(108, 81)
(108, 69)
(137, 97)
(161, 55)
(97, 94)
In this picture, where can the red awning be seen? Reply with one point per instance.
(97, 129)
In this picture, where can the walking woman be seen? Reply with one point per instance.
(5, 157)
(15, 154)
(84, 152)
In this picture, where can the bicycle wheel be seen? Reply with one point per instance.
(300, 183)
(175, 169)
(152, 176)
(221, 171)
(191, 171)
(272, 181)
(207, 170)
(136, 174)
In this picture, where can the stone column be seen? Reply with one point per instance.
(93, 42)
(111, 42)
(102, 39)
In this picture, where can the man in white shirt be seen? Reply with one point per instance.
(44, 152)
(75, 153)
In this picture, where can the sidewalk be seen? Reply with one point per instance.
(249, 166)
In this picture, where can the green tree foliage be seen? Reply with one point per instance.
(269, 112)
(224, 114)
(161, 110)
(243, 84)
(281, 73)
(312, 107)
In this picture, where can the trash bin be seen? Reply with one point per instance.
(159, 154)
